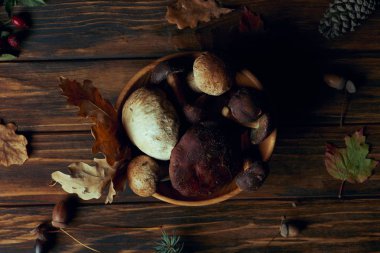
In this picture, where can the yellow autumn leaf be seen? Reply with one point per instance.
(12, 146)
(87, 181)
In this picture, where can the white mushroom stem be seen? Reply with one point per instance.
(191, 82)
(175, 85)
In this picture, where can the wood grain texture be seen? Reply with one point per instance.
(235, 226)
(33, 101)
(299, 154)
(109, 41)
(114, 29)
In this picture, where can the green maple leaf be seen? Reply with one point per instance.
(351, 163)
(7, 57)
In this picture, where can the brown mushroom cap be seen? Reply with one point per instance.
(201, 162)
(210, 75)
(143, 175)
(252, 177)
(264, 128)
(243, 106)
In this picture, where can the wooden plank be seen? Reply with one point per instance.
(32, 99)
(235, 226)
(297, 167)
(81, 29)
(30, 183)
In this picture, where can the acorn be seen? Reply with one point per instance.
(64, 211)
(41, 231)
(40, 246)
(334, 81)
(288, 228)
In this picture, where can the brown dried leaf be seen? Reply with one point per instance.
(100, 111)
(87, 181)
(12, 146)
(187, 13)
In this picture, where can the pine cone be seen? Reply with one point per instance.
(345, 15)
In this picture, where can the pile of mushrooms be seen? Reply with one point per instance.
(192, 123)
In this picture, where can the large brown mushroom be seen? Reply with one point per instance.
(201, 162)
(209, 75)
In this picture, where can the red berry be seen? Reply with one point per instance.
(19, 22)
(13, 41)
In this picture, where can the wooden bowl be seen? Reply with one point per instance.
(165, 191)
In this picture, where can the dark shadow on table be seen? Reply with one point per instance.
(290, 63)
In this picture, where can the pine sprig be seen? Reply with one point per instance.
(169, 244)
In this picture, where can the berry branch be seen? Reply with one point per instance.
(13, 31)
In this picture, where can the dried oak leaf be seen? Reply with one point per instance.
(88, 181)
(12, 146)
(187, 13)
(92, 105)
(351, 163)
(250, 22)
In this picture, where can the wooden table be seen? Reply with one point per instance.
(108, 41)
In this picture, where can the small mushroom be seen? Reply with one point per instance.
(201, 162)
(289, 228)
(243, 108)
(143, 175)
(252, 176)
(64, 211)
(350, 87)
(151, 122)
(193, 113)
(209, 75)
(171, 66)
(264, 126)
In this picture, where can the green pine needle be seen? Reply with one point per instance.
(169, 244)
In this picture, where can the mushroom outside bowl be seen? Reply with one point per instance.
(165, 191)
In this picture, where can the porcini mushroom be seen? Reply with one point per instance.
(193, 113)
(172, 71)
(209, 75)
(201, 162)
(264, 126)
(252, 176)
(243, 108)
(143, 175)
(151, 122)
